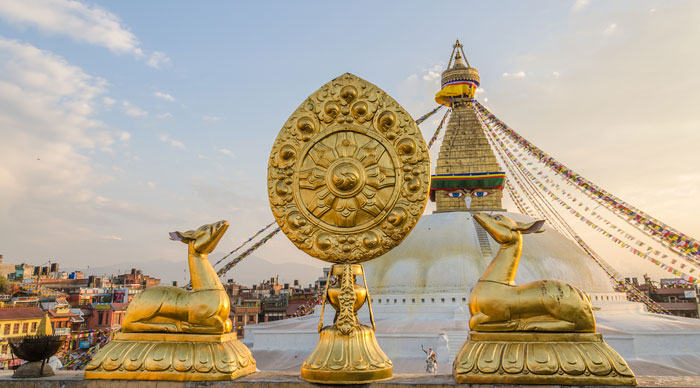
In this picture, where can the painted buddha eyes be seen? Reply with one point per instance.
(463, 193)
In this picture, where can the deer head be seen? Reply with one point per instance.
(503, 229)
(204, 239)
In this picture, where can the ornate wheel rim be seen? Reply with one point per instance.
(349, 173)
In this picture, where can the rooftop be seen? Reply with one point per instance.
(13, 313)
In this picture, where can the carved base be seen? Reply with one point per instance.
(347, 359)
(540, 358)
(177, 357)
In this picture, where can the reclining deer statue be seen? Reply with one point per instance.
(498, 304)
(203, 310)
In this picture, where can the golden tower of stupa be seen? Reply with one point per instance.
(467, 176)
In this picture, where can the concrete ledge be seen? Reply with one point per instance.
(74, 379)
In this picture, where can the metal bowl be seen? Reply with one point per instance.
(36, 347)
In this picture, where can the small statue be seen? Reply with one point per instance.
(498, 304)
(430, 360)
(204, 310)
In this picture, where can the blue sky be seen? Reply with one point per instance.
(125, 120)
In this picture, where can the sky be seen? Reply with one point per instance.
(123, 121)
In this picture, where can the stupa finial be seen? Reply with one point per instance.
(459, 80)
(460, 59)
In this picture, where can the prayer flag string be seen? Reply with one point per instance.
(670, 237)
(632, 292)
(439, 128)
(427, 115)
(247, 253)
(245, 242)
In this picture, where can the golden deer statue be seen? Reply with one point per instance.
(498, 304)
(204, 310)
(541, 332)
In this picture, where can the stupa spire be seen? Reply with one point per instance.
(468, 176)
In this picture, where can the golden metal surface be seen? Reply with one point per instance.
(498, 304)
(349, 173)
(173, 334)
(170, 356)
(536, 333)
(540, 358)
(347, 359)
(203, 310)
(348, 178)
(347, 352)
(44, 327)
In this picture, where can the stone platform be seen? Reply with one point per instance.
(74, 379)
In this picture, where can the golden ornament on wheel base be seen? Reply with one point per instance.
(348, 178)
(347, 352)
(536, 333)
(170, 333)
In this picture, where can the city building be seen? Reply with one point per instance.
(104, 316)
(677, 296)
(62, 318)
(135, 280)
(244, 311)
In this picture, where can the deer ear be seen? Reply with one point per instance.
(532, 227)
(185, 237)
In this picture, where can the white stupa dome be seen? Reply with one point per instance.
(420, 290)
(447, 252)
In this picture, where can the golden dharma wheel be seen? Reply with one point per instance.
(349, 173)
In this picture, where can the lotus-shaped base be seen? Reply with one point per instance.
(172, 356)
(347, 359)
(540, 358)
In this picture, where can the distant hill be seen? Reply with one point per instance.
(252, 270)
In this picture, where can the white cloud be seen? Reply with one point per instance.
(610, 29)
(580, 4)
(81, 22)
(47, 127)
(166, 115)
(226, 151)
(175, 143)
(108, 102)
(151, 185)
(112, 237)
(164, 96)
(431, 75)
(133, 111)
(519, 74)
(211, 118)
(157, 60)
(556, 74)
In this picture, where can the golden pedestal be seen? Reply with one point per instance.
(176, 357)
(347, 359)
(347, 352)
(540, 358)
